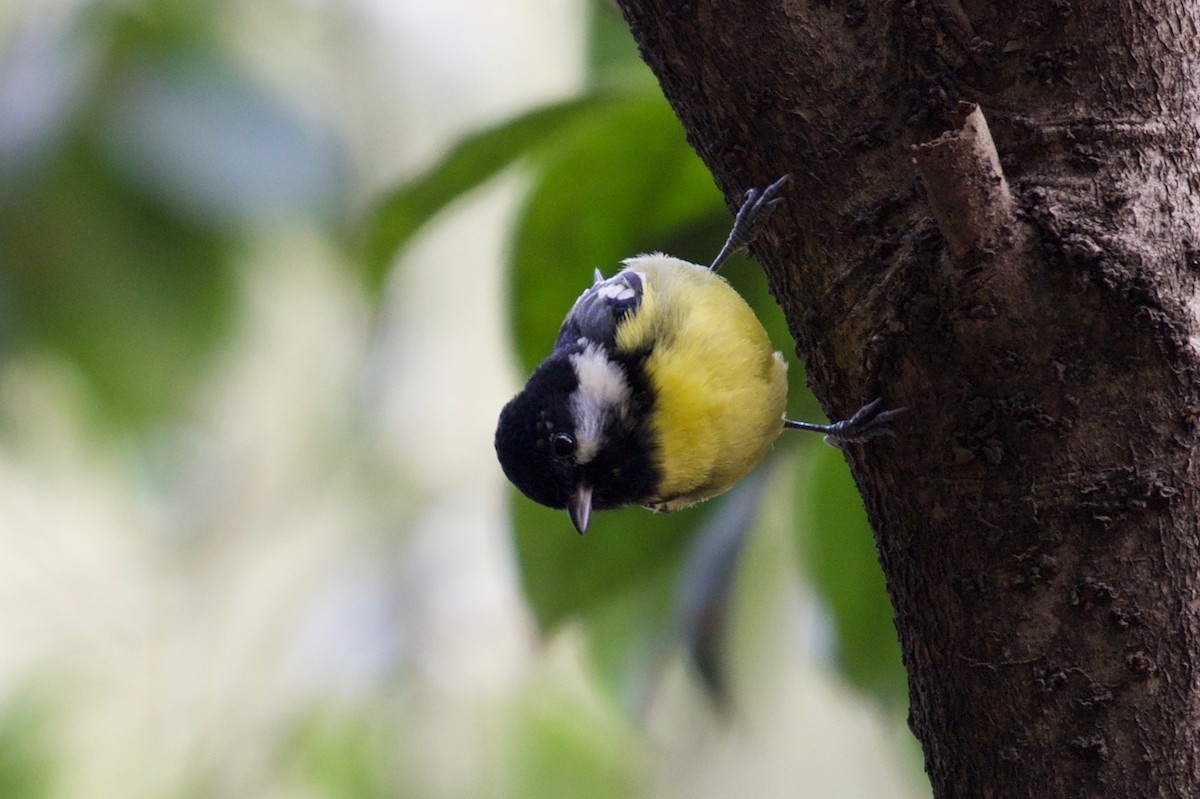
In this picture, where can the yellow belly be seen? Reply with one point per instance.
(721, 387)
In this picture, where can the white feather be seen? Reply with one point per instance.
(603, 393)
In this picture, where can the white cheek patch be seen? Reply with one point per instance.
(602, 394)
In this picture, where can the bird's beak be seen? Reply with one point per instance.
(579, 507)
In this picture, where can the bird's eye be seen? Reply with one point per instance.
(562, 445)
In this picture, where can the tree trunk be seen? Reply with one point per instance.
(1036, 514)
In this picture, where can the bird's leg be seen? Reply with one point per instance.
(866, 423)
(749, 219)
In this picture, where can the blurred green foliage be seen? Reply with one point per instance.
(838, 554)
(477, 157)
(25, 758)
(127, 196)
(612, 176)
(345, 753)
(619, 578)
(125, 190)
(571, 747)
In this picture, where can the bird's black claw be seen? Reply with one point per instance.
(755, 208)
(866, 423)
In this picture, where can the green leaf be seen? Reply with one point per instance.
(838, 552)
(567, 575)
(706, 590)
(641, 583)
(397, 216)
(604, 195)
(632, 631)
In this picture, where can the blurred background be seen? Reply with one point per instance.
(268, 271)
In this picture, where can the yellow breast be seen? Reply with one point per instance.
(721, 389)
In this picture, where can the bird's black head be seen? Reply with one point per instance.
(576, 438)
(535, 439)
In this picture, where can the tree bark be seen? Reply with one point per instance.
(994, 220)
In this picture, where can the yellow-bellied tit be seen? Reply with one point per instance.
(662, 389)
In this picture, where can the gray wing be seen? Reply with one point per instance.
(596, 313)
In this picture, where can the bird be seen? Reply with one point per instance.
(662, 389)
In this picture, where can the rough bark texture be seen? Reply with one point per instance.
(1037, 513)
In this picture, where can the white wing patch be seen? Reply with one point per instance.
(603, 393)
(614, 288)
(618, 290)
